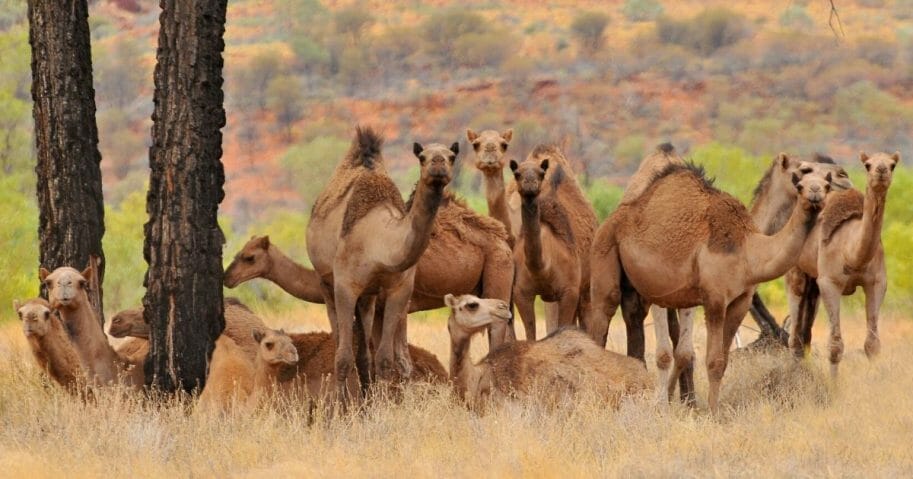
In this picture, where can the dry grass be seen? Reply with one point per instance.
(779, 419)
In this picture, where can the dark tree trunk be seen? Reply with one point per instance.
(69, 190)
(183, 242)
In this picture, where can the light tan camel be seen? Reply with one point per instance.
(683, 243)
(67, 294)
(231, 378)
(552, 249)
(562, 364)
(49, 342)
(845, 252)
(490, 148)
(240, 323)
(363, 243)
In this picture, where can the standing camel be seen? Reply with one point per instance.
(556, 230)
(363, 243)
(683, 243)
(490, 148)
(845, 252)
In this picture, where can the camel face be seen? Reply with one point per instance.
(879, 169)
(840, 180)
(529, 176)
(470, 314)
(813, 189)
(65, 285)
(490, 147)
(437, 162)
(276, 347)
(36, 316)
(252, 261)
(125, 322)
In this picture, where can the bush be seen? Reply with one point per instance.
(642, 10)
(871, 115)
(352, 22)
(489, 49)
(795, 16)
(313, 159)
(443, 29)
(704, 33)
(284, 98)
(19, 239)
(119, 73)
(589, 28)
(629, 151)
(604, 197)
(877, 50)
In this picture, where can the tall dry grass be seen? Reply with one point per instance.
(779, 418)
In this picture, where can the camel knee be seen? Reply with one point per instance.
(836, 350)
(345, 364)
(684, 358)
(715, 369)
(664, 358)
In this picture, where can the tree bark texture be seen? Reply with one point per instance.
(183, 242)
(71, 219)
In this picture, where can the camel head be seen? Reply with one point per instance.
(128, 322)
(36, 316)
(879, 169)
(276, 347)
(490, 148)
(823, 165)
(529, 176)
(812, 189)
(67, 288)
(436, 161)
(470, 315)
(251, 262)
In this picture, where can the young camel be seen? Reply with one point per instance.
(565, 362)
(557, 225)
(490, 148)
(683, 243)
(845, 252)
(363, 243)
(231, 377)
(49, 343)
(67, 294)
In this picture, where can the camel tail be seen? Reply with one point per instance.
(365, 149)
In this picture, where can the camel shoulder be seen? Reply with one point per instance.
(369, 190)
(841, 207)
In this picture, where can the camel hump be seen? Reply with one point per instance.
(369, 190)
(366, 146)
(665, 148)
(841, 207)
(822, 158)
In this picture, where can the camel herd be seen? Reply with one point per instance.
(675, 242)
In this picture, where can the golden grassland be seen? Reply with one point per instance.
(778, 418)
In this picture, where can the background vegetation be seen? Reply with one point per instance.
(729, 84)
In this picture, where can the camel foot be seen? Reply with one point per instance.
(872, 346)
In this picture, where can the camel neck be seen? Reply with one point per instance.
(295, 279)
(418, 222)
(496, 196)
(86, 333)
(870, 228)
(531, 232)
(462, 370)
(771, 210)
(772, 256)
(272, 375)
(58, 353)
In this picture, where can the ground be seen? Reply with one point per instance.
(778, 419)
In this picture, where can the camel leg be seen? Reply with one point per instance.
(394, 313)
(497, 282)
(795, 285)
(684, 357)
(346, 300)
(567, 309)
(330, 304)
(874, 295)
(605, 293)
(525, 306)
(808, 310)
(363, 327)
(553, 316)
(665, 383)
(401, 351)
(633, 310)
(830, 294)
(716, 362)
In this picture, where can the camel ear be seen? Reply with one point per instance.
(43, 273)
(87, 273)
(450, 300)
(863, 157)
(258, 335)
(417, 150)
(896, 157)
(264, 242)
(508, 134)
(829, 178)
(544, 165)
(514, 166)
(784, 161)
(455, 148)
(471, 135)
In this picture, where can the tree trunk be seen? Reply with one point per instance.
(70, 201)
(183, 242)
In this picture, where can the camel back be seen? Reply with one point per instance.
(456, 218)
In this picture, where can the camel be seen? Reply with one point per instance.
(566, 362)
(490, 148)
(845, 252)
(551, 253)
(67, 294)
(363, 243)
(231, 377)
(49, 343)
(240, 322)
(684, 243)
(261, 259)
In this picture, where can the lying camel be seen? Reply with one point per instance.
(683, 243)
(845, 252)
(231, 378)
(565, 362)
(67, 294)
(49, 342)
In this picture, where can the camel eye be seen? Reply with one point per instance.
(475, 145)
(842, 174)
(249, 259)
(47, 315)
(82, 283)
(116, 321)
(805, 170)
(269, 346)
(472, 306)
(503, 146)
(867, 167)
(893, 165)
(517, 175)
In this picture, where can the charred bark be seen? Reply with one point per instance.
(71, 218)
(183, 241)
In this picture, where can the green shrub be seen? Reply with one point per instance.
(488, 49)
(308, 163)
(704, 33)
(604, 197)
(18, 240)
(642, 10)
(589, 28)
(795, 16)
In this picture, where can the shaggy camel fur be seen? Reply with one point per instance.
(683, 243)
(490, 148)
(240, 323)
(231, 377)
(364, 243)
(553, 246)
(845, 252)
(562, 364)
(49, 342)
(67, 289)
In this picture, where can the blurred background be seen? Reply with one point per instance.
(730, 84)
